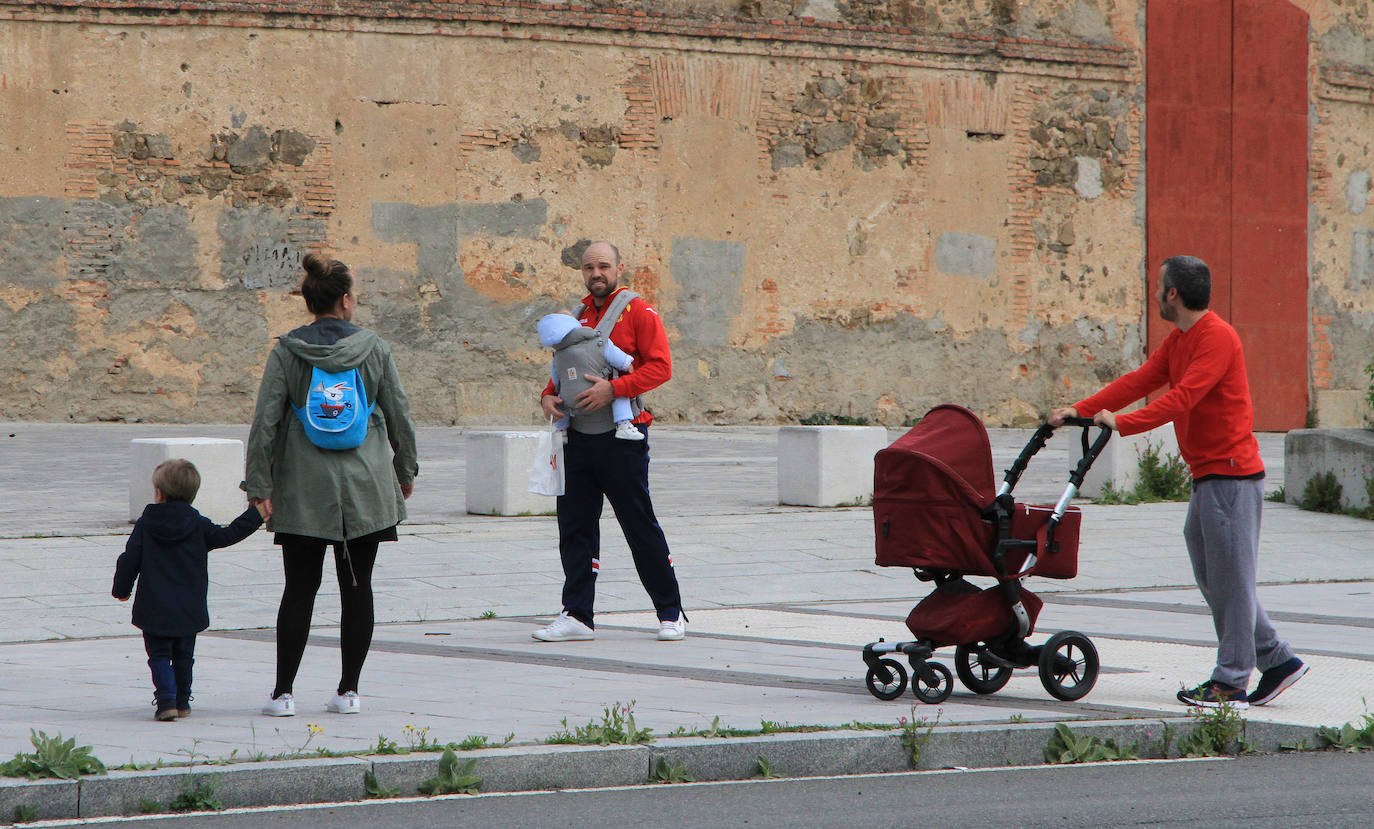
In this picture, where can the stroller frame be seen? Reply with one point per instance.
(1068, 663)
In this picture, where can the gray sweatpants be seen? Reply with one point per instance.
(1222, 533)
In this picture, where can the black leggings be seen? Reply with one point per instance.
(303, 559)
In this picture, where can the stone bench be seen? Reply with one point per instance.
(1119, 463)
(498, 474)
(827, 466)
(218, 460)
(1346, 453)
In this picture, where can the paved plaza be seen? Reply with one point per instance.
(780, 600)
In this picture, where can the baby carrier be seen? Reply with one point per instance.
(935, 510)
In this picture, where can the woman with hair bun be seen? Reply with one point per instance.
(320, 484)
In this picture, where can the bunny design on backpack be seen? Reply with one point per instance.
(334, 402)
(336, 409)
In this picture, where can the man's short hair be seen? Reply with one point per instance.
(177, 480)
(1191, 277)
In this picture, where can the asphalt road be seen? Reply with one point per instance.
(1296, 791)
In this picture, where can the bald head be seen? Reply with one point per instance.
(601, 269)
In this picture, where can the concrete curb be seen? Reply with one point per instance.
(537, 768)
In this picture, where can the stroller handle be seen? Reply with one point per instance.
(1091, 449)
(1085, 422)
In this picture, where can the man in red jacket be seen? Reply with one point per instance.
(596, 465)
(1209, 403)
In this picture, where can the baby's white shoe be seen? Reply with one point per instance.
(625, 430)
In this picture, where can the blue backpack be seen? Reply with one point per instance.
(336, 410)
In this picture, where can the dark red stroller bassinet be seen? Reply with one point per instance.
(936, 511)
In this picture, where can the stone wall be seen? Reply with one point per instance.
(860, 207)
(1342, 225)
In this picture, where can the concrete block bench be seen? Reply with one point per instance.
(1346, 453)
(218, 460)
(1119, 463)
(498, 474)
(827, 466)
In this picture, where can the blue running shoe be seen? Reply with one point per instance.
(1277, 679)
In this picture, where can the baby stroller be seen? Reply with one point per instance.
(935, 511)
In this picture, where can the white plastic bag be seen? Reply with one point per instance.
(546, 473)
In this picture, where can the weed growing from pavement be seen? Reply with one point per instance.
(772, 727)
(488, 614)
(830, 419)
(1369, 369)
(1216, 732)
(52, 757)
(1161, 747)
(1162, 478)
(1322, 493)
(25, 814)
(474, 742)
(375, 790)
(617, 727)
(1065, 747)
(1349, 737)
(418, 738)
(859, 725)
(765, 770)
(198, 797)
(665, 772)
(452, 778)
(916, 733)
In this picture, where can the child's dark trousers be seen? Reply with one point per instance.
(170, 659)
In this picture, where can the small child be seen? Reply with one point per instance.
(576, 356)
(166, 553)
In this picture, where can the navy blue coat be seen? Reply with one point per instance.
(166, 553)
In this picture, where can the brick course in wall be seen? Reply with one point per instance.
(538, 21)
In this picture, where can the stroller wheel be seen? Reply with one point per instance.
(1068, 665)
(978, 676)
(932, 682)
(886, 687)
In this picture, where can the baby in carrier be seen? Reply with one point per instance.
(580, 353)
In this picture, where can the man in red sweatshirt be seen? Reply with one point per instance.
(1209, 403)
(596, 466)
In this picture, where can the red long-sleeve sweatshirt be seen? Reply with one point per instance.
(1208, 399)
(639, 332)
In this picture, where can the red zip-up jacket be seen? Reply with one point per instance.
(1208, 399)
(639, 332)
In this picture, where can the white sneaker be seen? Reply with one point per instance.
(564, 629)
(671, 631)
(625, 430)
(345, 704)
(282, 706)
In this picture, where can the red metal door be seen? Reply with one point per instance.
(1226, 178)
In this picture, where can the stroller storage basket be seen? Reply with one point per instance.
(960, 616)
